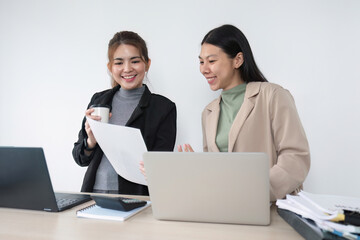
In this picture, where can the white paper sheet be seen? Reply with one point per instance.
(123, 146)
(332, 202)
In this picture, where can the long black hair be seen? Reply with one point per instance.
(232, 41)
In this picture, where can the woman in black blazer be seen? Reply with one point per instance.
(133, 105)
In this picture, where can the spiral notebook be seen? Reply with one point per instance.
(96, 212)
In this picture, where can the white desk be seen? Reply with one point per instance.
(37, 225)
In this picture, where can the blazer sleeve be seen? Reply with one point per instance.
(293, 154)
(78, 151)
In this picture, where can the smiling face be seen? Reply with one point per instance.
(127, 67)
(220, 71)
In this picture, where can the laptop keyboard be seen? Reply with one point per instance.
(66, 200)
(63, 202)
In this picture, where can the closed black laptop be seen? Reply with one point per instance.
(25, 182)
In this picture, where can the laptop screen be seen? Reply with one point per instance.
(24, 179)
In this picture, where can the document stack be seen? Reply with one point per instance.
(317, 216)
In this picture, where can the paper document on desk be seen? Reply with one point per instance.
(322, 209)
(123, 146)
(332, 202)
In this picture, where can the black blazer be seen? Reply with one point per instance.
(155, 116)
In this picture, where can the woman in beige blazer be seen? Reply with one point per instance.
(251, 114)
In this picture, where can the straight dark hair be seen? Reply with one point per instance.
(232, 41)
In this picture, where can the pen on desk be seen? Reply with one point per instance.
(345, 235)
(348, 217)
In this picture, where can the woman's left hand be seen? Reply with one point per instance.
(142, 168)
(187, 148)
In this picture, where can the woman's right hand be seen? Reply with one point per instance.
(187, 148)
(91, 141)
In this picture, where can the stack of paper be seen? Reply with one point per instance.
(324, 210)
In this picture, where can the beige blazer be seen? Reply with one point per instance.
(266, 122)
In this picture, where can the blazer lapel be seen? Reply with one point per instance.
(107, 97)
(252, 89)
(144, 102)
(212, 123)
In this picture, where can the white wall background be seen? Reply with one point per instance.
(53, 58)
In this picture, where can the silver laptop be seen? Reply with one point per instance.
(25, 182)
(209, 187)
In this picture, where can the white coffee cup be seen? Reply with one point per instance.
(101, 110)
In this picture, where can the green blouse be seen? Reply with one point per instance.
(231, 101)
